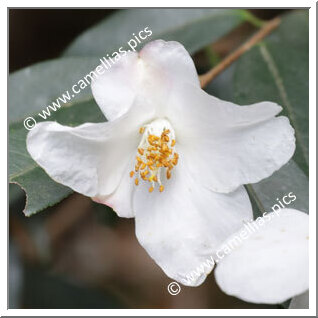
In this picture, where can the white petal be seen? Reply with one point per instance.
(181, 227)
(229, 145)
(115, 90)
(90, 158)
(121, 198)
(159, 65)
(170, 61)
(271, 264)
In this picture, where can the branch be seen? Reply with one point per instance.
(268, 27)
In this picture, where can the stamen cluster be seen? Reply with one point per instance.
(154, 154)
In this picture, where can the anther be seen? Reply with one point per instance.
(144, 173)
(155, 154)
(164, 147)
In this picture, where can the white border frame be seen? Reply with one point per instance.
(312, 160)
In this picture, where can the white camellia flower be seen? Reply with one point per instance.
(267, 261)
(170, 155)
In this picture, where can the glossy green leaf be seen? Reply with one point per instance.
(284, 184)
(194, 28)
(277, 70)
(33, 88)
(300, 301)
(15, 194)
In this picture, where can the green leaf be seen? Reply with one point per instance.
(41, 191)
(300, 301)
(277, 70)
(271, 191)
(15, 194)
(223, 85)
(30, 91)
(33, 88)
(194, 28)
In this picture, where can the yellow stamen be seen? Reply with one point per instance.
(174, 161)
(164, 148)
(155, 153)
(144, 173)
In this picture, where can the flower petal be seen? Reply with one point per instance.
(159, 64)
(115, 90)
(271, 265)
(181, 227)
(229, 145)
(120, 200)
(170, 61)
(90, 158)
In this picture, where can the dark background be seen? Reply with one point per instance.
(40, 34)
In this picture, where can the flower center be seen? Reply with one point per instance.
(156, 154)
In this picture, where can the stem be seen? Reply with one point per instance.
(268, 27)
